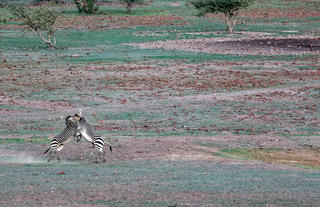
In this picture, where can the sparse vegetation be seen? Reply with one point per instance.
(197, 117)
(39, 19)
(86, 6)
(130, 3)
(230, 9)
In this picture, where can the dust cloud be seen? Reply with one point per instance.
(20, 158)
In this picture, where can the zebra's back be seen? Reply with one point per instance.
(65, 136)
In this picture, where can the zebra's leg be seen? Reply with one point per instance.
(58, 157)
(96, 157)
(104, 159)
(58, 150)
(98, 146)
(99, 153)
(50, 154)
(78, 136)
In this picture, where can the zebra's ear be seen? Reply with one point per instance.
(67, 120)
(78, 114)
(78, 118)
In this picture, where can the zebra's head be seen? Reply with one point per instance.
(79, 117)
(71, 121)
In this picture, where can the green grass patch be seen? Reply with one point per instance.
(35, 140)
(304, 159)
(245, 154)
(308, 167)
(284, 4)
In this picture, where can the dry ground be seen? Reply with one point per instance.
(244, 130)
(256, 44)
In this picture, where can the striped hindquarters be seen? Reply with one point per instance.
(98, 143)
(62, 138)
(54, 143)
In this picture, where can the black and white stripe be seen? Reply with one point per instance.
(86, 131)
(65, 136)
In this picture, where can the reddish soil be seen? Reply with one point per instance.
(178, 149)
(168, 148)
(288, 46)
(50, 105)
(112, 22)
(252, 46)
(127, 177)
(103, 22)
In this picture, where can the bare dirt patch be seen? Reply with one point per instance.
(162, 148)
(52, 105)
(13, 157)
(107, 22)
(130, 96)
(294, 157)
(289, 93)
(117, 22)
(303, 157)
(252, 46)
(177, 149)
(185, 77)
(167, 148)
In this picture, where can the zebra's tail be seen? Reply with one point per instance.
(110, 146)
(46, 150)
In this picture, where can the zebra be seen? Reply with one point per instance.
(86, 130)
(65, 136)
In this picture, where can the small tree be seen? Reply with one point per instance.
(230, 8)
(86, 6)
(40, 19)
(130, 3)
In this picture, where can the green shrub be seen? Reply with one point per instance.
(230, 8)
(39, 19)
(130, 3)
(86, 6)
